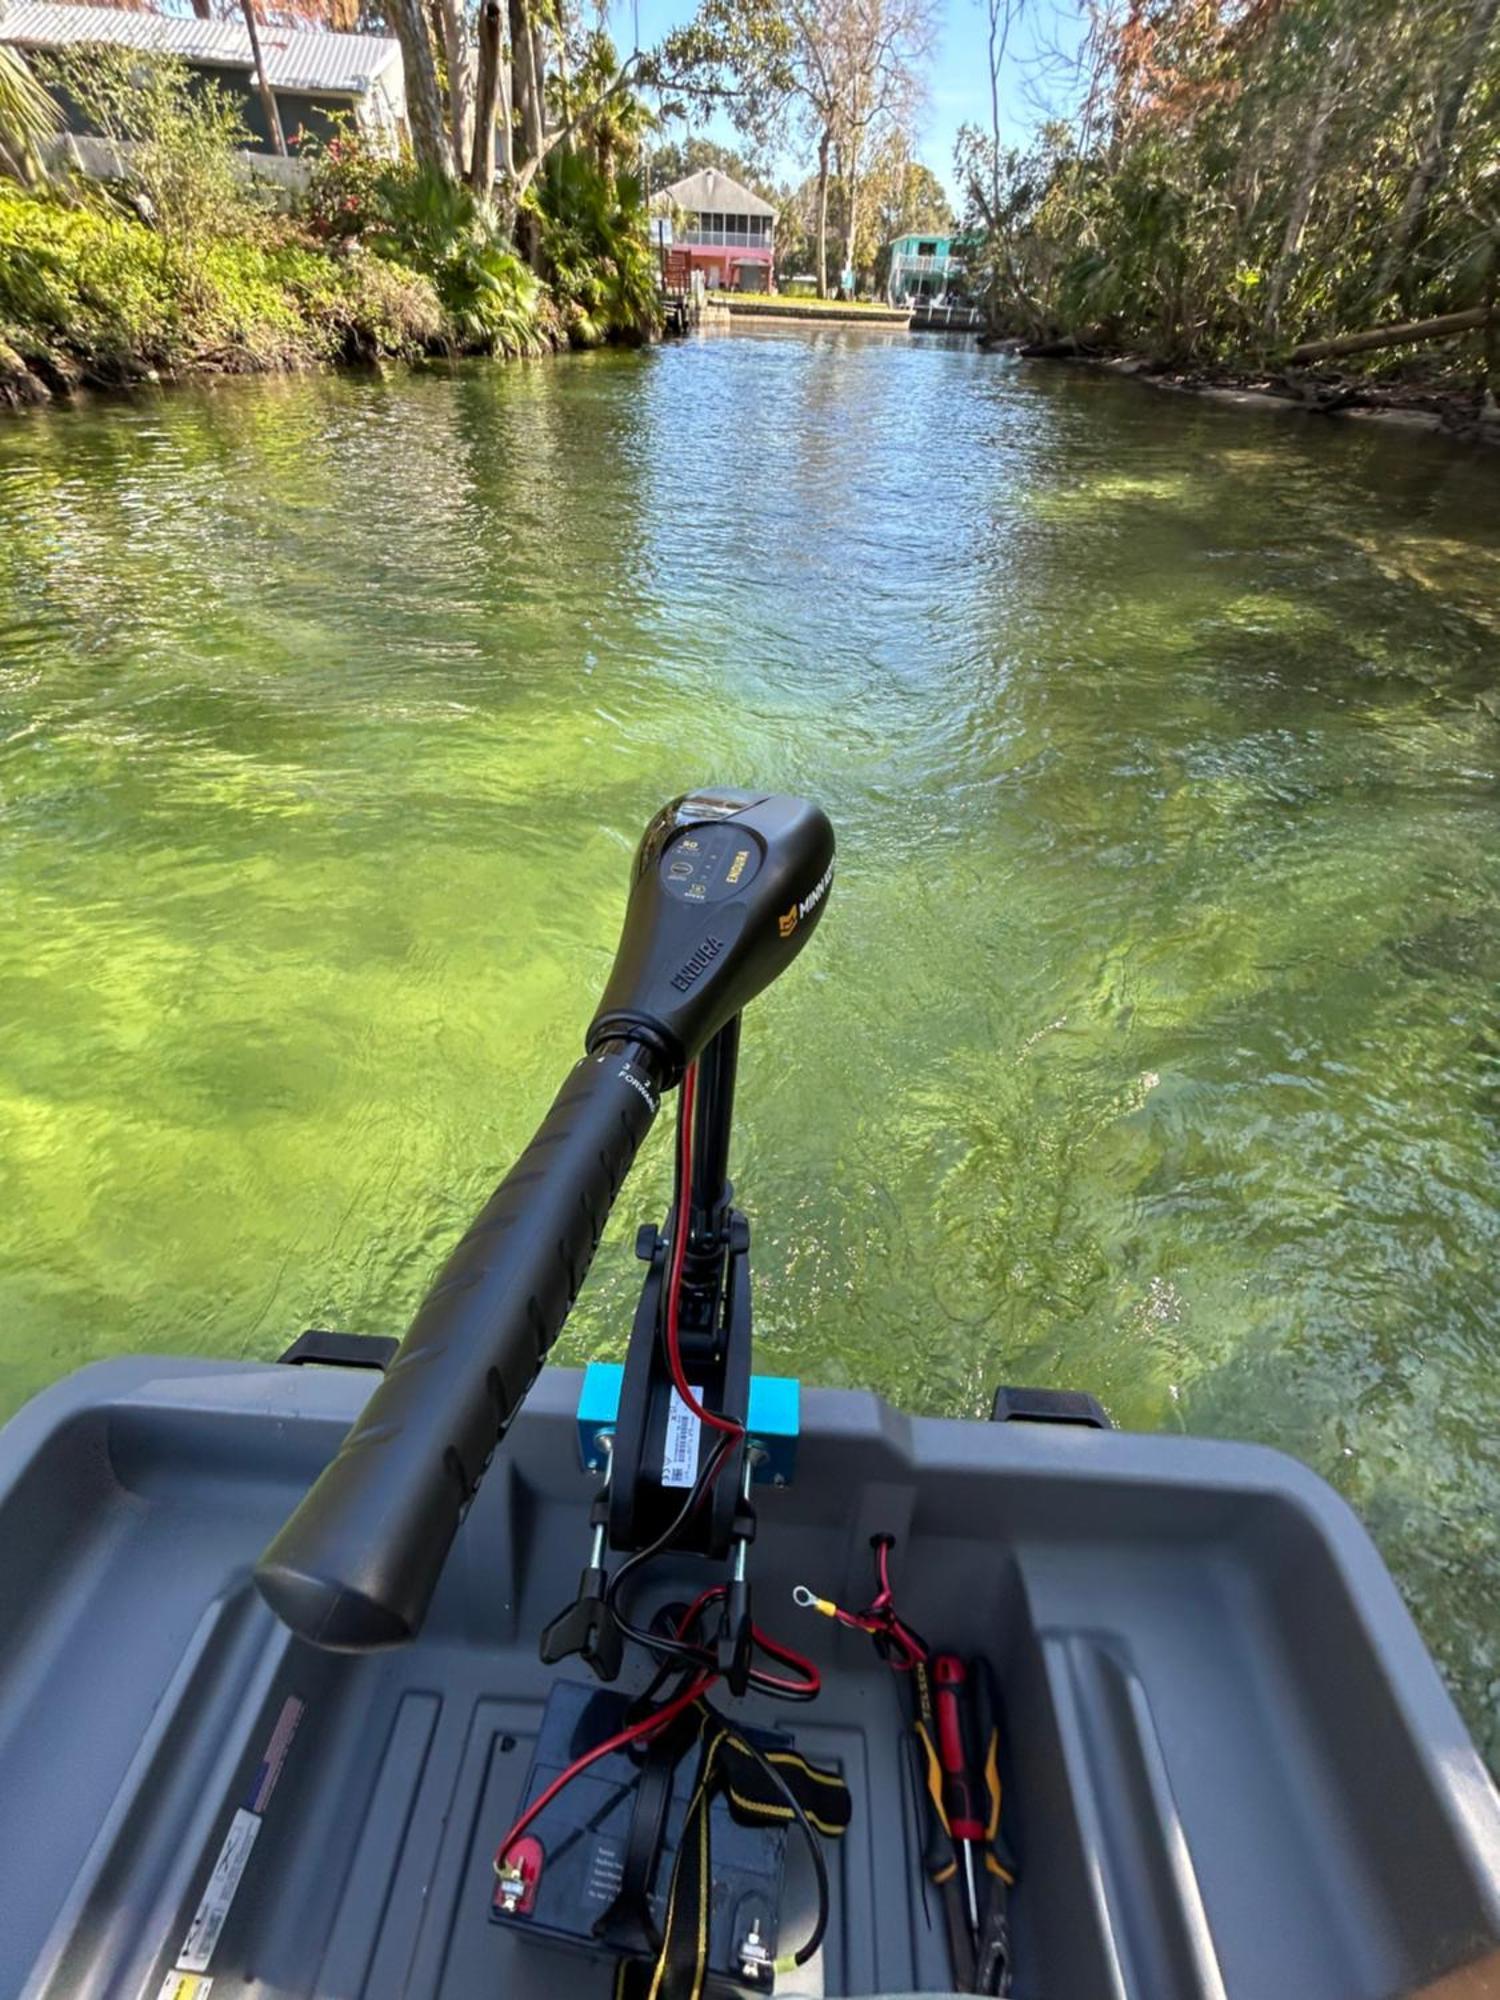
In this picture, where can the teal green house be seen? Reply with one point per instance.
(926, 267)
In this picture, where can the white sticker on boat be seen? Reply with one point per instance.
(185, 1986)
(218, 1897)
(679, 1461)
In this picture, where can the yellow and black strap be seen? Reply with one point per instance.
(727, 1765)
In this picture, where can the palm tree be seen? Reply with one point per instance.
(28, 116)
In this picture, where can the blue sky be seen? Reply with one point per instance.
(959, 91)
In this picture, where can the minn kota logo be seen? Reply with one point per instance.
(788, 921)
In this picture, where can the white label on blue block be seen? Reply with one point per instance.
(203, 1932)
(679, 1460)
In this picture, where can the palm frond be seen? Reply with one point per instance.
(28, 115)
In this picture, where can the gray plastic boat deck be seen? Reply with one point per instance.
(1231, 1768)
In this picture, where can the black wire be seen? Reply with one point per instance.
(669, 1649)
(710, 1471)
(814, 1847)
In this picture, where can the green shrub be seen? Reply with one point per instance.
(93, 283)
(364, 306)
(179, 138)
(342, 196)
(417, 220)
(436, 226)
(597, 251)
(98, 286)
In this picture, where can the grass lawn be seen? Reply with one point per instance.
(792, 302)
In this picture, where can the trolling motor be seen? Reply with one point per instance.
(726, 888)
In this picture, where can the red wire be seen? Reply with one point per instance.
(811, 1680)
(679, 1253)
(646, 1726)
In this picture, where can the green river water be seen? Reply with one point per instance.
(1151, 1042)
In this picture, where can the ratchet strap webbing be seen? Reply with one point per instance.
(728, 1766)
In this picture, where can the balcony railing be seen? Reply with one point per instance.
(728, 239)
(929, 266)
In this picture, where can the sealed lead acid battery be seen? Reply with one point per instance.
(598, 1860)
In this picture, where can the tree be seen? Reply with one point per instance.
(430, 141)
(857, 69)
(1243, 177)
(557, 82)
(28, 117)
(1454, 72)
(263, 83)
(902, 198)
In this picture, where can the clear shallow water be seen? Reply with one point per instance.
(1151, 1043)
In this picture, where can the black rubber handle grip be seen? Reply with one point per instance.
(355, 1566)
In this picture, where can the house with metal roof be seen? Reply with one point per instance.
(313, 76)
(723, 231)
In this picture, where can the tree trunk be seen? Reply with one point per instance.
(507, 130)
(486, 101)
(1391, 336)
(525, 88)
(851, 229)
(822, 217)
(539, 80)
(460, 97)
(424, 104)
(1433, 158)
(262, 83)
(1307, 184)
(564, 88)
(849, 174)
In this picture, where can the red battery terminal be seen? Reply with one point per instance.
(517, 1877)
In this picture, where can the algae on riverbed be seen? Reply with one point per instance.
(1151, 1044)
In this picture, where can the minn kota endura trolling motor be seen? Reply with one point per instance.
(725, 891)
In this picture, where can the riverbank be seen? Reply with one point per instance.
(1440, 402)
(184, 266)
(93, 298)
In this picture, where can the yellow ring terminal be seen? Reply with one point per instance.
(803, 1597)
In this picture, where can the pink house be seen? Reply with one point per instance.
(724, 231)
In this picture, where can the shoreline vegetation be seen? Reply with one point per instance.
(1413, 399)
(185, 266)
(1294, 202)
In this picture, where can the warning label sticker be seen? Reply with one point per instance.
(218, 1897)
(185, 1986)
(679, 1459)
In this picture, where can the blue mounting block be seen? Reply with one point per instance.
(775, 1418)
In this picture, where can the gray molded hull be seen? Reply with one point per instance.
(1232, 1768)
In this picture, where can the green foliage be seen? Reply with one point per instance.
(96, 285)
(1247, 176)
(28, 117)
(179, 137)
(409, 215)
(441, 228)
(342, 196)
(597, 252)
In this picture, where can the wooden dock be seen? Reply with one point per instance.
(929, 318)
